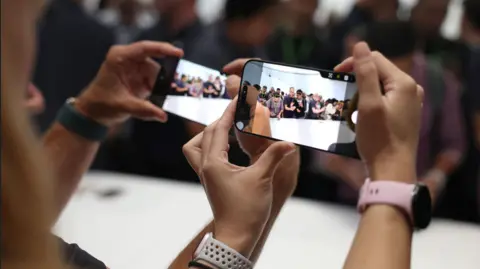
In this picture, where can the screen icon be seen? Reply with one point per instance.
(330, 75)
(338, 76)
(346, 78)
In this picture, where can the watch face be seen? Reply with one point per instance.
(421, 206)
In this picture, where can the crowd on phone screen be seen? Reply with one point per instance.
(447, 69)
(187, 85)
(297, 104)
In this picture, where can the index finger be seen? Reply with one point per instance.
(236, 67)
(143, 49)
(221, 132)
(386, 69)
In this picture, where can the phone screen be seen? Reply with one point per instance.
(194, 92)
(312, 108)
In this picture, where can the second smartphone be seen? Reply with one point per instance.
(308, 107)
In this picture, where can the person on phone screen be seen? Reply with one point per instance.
(300, 105)
(316, 108)
(288, 104)
(275, 105)
(209, 89)
(331, 109)
(180, 84)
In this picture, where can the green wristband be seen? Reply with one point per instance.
(77, 123)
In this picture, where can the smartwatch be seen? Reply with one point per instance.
(413, 199)
(220, 255)
(71, 119)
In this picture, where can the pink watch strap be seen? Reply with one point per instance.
(386, 192)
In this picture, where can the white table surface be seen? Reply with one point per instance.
(152, 220)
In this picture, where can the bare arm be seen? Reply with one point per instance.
(383, 240)
(284, 184)
(282, 191)
(384, 237)
(70, 156)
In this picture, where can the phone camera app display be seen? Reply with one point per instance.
(195, 92)
(304, 106)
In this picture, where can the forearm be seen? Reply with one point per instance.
(70, 156)
(285, 181)
(383, 240)
(384, 236)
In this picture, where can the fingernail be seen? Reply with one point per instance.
(361, 50)
(162, 119)
(292, 149)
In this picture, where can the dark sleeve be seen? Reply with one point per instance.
(78, 258)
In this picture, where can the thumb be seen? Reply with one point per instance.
(267, 163)
(233, 85)
(144, 109)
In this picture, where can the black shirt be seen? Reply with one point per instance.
(78, 258)
(313, 104)
(71, 48)
(286, 102)
(209, 85)
(300, 110)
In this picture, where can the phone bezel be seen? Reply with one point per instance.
(239, 104)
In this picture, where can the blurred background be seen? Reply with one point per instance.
(436, 41)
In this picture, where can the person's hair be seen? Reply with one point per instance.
(264, 87)
(278, 89)
(246, 82)
(244, 9)
(472, 12)
(217, 77)
(299, 91)
(184, 76)
(257, 87)
(276, 95)
(391, 38)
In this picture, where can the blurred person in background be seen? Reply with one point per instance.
(460, 56)
(469, 66)
(127, 29)
(427, 17)
(179, 22)
(241, 33)
(71, 48)
(299, 41)
(442, 137)
(364, 11)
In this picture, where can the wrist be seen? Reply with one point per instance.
(387, 215)
(92, 111)
(243, 242)
(399, 169)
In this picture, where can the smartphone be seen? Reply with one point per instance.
(308, 107)
(190, 90)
